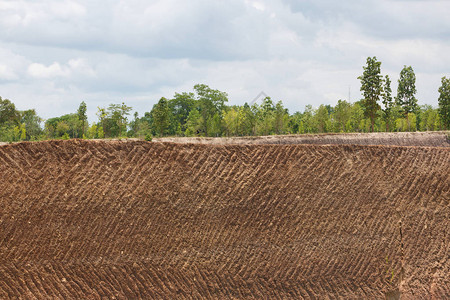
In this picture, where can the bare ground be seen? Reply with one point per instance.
(88, 219)
(428, 138)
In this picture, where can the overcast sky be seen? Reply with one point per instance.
(55, 54)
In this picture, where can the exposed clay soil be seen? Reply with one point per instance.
(428, 138)
(89, 219)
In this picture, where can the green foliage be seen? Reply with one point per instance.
(371, 86)
(82, 117)
(148, 137)
(210, 103)
(56, 127)
(322, 119)
(429, 119)
(101, 133)
(113, 119)
(8, 112)
(180, 107)
(232, 121)
(406, 91)
(444, 102)
(194, 124)
(32, 123)
(160, 114)
(281, 119)
(22, 132)
(92, 132)
(387, 101)
(406, 124)
(205, 113)
(341, 116)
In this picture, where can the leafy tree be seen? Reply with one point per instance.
(210, 103)
(249, 119)
(215, 125)
(92, 132)
(134, 125)
(444, 102)
(322, 118)
(58, 126)
(74, 125)
(23, 134)
(232, 121)
(371, 86)
(8, 112)
(102, 115)
(387, 101)
(118, 114)
(194, 123)
(308, 120)
(281, 118)
(342, 113)
(160, 113)
(101, 133)
(294, 122)
(82, 117)
(406, 91)
(143, 129)
(429, 119)
(356, 117)
(32, 123)
(113, 120)
(62, 128)
(180, 107)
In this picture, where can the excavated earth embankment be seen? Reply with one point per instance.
(89, 219)
(426, 138)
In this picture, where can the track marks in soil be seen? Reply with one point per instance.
(150, 220)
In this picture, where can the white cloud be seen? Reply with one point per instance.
(6, 73)
(41, 71)
(73, 67)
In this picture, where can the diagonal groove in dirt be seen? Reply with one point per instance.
(150, 220)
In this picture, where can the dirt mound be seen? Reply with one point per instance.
(431, 138)
(133, 219)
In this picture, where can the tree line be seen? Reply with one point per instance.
(204, 112)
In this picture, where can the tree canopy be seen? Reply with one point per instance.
(371, 86)
(204, 112)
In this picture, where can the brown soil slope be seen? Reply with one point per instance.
(89, 219)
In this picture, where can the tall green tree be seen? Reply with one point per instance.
(371, 86)
(387, 101)
(32, 123)
(406, 91)
(265, 117)
(160, 114)
(102, 115)
(81, 112)
(210, 103)
(249, 119)
(444, 102)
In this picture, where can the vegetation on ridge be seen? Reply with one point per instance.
(204, 112)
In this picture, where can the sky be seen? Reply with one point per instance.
(56, 53)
